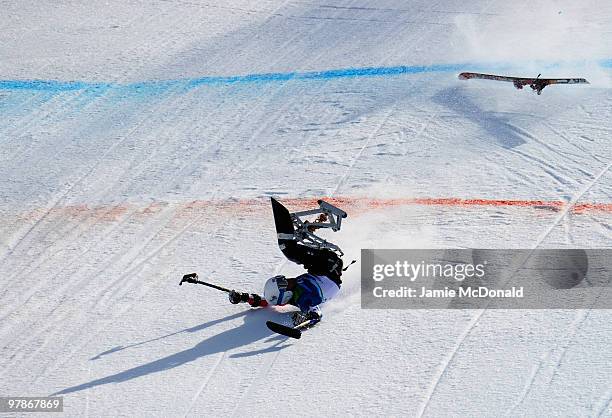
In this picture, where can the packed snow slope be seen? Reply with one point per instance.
(140, 141)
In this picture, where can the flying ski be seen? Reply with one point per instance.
(537, 84)
(299, 243)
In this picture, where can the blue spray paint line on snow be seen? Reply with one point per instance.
(327, 75)
(165, 85)
(50, 85)
(606, 63)
(160, 86)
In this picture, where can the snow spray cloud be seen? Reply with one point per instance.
(483, 278)
(556, 38)
(535, 31)
(370, 226)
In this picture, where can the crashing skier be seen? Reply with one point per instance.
(321, 259)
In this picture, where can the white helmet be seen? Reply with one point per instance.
(275, 291)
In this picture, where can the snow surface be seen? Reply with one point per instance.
(143, 148)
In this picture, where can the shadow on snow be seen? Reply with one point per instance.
(497, 127)
(253, 329)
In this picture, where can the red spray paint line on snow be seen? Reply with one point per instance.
(353, 205)
(376, 203)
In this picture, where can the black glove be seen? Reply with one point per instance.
(237, 297)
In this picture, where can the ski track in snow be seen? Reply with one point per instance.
(205, 382)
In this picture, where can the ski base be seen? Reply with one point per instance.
(284, 330)
(293, 332)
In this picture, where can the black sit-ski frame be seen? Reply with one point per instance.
(304, 228)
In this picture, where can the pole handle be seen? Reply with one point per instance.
(193, 278)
